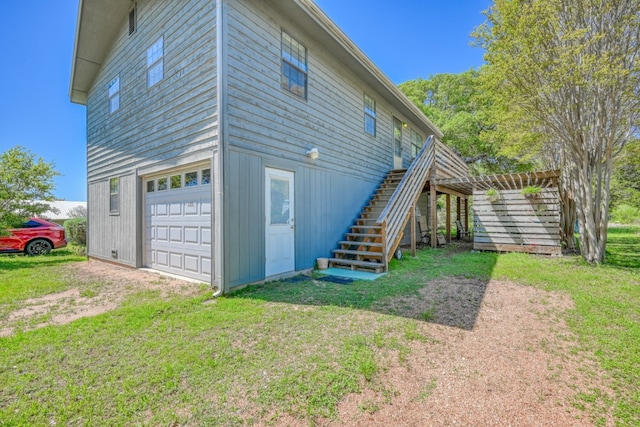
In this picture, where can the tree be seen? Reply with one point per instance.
(25, 183)
(457, 105)
(569, 71)
(77, 212)
(625, 183)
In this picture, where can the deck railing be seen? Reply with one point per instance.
(393, 219)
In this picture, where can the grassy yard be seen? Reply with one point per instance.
(283, 348)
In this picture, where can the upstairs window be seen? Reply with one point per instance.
(155, 63)
(132, 19)
(114, 95)
(294, 66)
(369, 115)
(416, 143)
(114, 195)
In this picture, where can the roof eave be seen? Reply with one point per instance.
(394, 95)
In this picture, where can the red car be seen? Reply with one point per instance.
(35, 237)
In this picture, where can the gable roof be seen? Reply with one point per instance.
(99, 21)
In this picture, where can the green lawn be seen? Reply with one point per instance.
(280, 348)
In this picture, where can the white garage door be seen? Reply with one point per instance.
(178, 223)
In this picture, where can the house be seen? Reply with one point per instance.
(233, 141)
(62, 210)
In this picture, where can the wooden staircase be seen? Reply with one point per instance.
(363, 247)
(378, 231)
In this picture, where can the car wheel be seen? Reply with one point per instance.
(38, 247)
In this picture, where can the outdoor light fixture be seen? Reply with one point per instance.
(313, 153)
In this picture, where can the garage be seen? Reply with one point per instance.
(178, 223)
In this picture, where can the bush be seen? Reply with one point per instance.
(625, 214)
(76, 230)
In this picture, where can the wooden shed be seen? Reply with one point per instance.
(509, 220)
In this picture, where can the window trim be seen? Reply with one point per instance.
(285, 81)
(114, 196)
(155, 60)
(370, 115)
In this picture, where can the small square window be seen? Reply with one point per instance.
(206, 176)
(114, 195)
(162, 184)
(151, 186)
(191, 179)
(176, 181)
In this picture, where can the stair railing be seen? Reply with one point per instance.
(393, 219)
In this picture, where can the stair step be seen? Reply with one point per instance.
(359, 243)
(369, 220)
(363, 235)
(367, 227)
(366, 254)
(354, 264)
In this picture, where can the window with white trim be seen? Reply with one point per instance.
(416, 143)
(369, 115)
(114, 195)
(294, 66)
(155, 62)
(114, 95)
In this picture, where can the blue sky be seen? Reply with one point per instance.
(407, 39)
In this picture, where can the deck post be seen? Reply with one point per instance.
(448, 203)
(459, 215)
(413, 230)
(466, 214)
(433, 200)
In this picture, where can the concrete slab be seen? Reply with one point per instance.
(351, 274)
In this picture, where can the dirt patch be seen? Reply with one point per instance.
(98, 287)
(517, 365)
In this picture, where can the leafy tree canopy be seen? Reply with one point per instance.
(456, 104)
(625, 183)
(25, 183)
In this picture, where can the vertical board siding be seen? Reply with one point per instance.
(516, 224)
(326, 204)
(244, 219)
(107, 232)
(174, 120)
(266, 119)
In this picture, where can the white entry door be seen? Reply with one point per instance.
(280, 228)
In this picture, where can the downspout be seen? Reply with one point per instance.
(218, 160)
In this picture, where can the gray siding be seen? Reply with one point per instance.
(266, 119)
(326, 203)
(269, 127)
(174, 121)
(170, 124)
(119, 232)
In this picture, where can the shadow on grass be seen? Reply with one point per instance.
(623, 247)
(444, 286)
